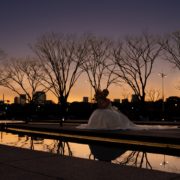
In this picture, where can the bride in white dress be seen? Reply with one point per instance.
(107, 116)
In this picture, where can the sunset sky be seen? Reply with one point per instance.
(23, 21)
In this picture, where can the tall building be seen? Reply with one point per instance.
(125, 100)
(85, 99)
(117, 100)
(22, 99)
(17, 100)
(39, 97)
(134, 98)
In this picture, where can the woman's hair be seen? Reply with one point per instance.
(101, 94)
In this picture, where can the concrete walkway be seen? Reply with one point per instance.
(23, 164)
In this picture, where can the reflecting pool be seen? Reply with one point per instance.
(118, 155)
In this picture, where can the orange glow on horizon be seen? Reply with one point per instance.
(82, 87)
(78, 94)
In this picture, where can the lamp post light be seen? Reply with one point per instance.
(164, 162)
(162, 77)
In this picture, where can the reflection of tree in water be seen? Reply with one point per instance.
(135, 158)
(61, 146)
(57, 146)
(31, 142)
(22, 141)
(35, 140)
(119, 156)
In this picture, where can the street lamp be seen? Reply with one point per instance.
(162, 77)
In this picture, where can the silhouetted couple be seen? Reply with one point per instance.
(107, 116)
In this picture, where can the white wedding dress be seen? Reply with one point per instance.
(112, 119)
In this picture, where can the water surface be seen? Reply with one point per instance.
(117, 155)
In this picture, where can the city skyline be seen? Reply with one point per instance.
(23, 22)
(86, 98)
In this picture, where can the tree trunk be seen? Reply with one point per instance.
(143, 106)
(63, 109)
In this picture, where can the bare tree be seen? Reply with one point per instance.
(96, 63)
(125, 93)
(61, 57)
(153, 95)
(178, 86)
(134, 60)
(23, 76)
(171, 46)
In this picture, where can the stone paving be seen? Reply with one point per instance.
(20, 164)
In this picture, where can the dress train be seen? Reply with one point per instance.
(112, 119)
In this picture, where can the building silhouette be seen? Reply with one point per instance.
(20, 100)
(117, 100)
(85, 99)
(39, 97)
(134, 98)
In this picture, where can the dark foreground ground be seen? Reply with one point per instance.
(17, 163)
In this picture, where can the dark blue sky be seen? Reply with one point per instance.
(22, 21)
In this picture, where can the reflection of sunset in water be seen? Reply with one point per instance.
(155, 161)
(130, 158)
(49, 145)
